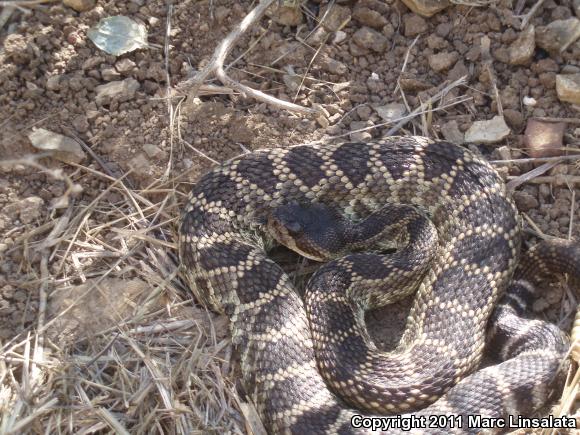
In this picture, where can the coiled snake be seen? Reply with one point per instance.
(457, 236)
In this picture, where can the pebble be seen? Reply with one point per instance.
(414, 25)
(80, 5)
(63, 148)
(514, 118)
(491, 131)
(558, 35)
(443, 61)
(286, 15)
(364, 112)
(121, 90)
(370, 39)
(568, 88)
(53, 83)
(30, 209)
(451, 132)
(336, 18)
(391, 112)
(369, 17)
(520, 52)
(426, 8)
(525, 201)
(360, 136)
(125, 65)
(152, 150)
(110, 74)
(544, 139)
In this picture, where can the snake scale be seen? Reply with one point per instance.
(465, 264)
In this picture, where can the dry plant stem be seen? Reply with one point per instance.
(460, 81)
(487, 62)
(528, 176)
(216, 66)
(530, 14)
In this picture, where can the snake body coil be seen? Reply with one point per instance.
(223, 239)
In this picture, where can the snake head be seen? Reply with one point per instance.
(314, 231)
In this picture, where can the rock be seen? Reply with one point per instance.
(81, 123)
(458, 71)
(525, 201)
(414, 25)
(451, 132)
(369, 17)
(391, 112)
(61, 147)
(427, 8)
(491, 131)
(558, 35)
(122, 90)
(360, 136)
(568, 88)
(152, 150)
(364, 112)
(370, 39)
(80, 5)
(411, 84)
(53, 83)
(125, 65)
(576, 6)
(520, 51)
(140, 164)
(110, 74)
(30, 209)
(335, 18)
(544, 139)
(333, 66)
(514, 118)
(286, 15)
(443, 61)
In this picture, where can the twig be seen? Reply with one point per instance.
(216, 67)
(460, 81)
(530, 14)
(529, 176)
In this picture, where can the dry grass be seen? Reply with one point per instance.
(120, 347)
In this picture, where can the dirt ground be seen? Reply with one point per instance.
(98, 332)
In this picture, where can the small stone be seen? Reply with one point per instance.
(504, 153)
(514, 118)
(110, 74)
(458, 71)
(122, 90)
(81, 124)
(369, 17)
(30, 209)
(333, 66)
(80, 5)
(140, 164)
(364, 112)
(568, 88)
(414, 25)
(335, 18)
(576, 6)
(558, 35)
(443, 61)
(451, 132)
(411, 84)
(53, 83)
(427, 8)
(391, 112)
(286, 15)
(360, 136)
(62, 148)
(125, 65)
(370, 39)
(544, 139)
(522, 49)
(152, 150)
(491, 131)
(525, 201)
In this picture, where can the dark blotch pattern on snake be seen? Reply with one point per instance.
(470, 255)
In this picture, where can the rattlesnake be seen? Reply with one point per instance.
(236, 211)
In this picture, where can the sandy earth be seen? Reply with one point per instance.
(49, 78)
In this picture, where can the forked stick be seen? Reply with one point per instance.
(216, 66)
